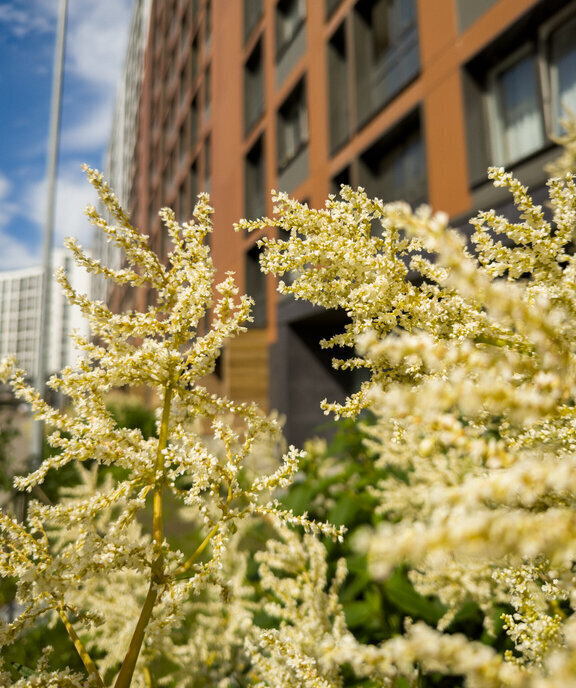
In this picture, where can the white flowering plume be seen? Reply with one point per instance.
(472, 379)
(67, 557)
(303, 650)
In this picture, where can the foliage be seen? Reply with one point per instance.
(335, 484)
(132, 413)
(7, 433)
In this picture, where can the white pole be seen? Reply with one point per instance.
(51, 173)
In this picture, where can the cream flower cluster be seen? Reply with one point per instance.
(164, 348)
(303, 650)
(472, 366)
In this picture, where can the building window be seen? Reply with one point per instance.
(170, 118)
(387, 52)
(339, 110)
(207, 92)
(184, 84)
(252, 14)
(290, 15)
(516, 90)
(517, 124)
(207, 162)
(331, 6)
(394, 167)
(194, 60)
(183, 203)
(152, 216)
(194, 122)
(255, 286)
(185, 30)
(255, 181)
(343, 178)
(562, 53)
(208, 23)
(390, 20)
(169, 173)
(193, 184)
(183, 144)
(292, 125)
(253, 87)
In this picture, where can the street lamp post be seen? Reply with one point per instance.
(51, 173)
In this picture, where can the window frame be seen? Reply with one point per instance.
(551, 116)
(300, 124)
(379, 158)
(496, 132)
(254, 86)
(283, 43)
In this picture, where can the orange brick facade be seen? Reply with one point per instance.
(409, 98)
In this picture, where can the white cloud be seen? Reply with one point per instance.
(90, 132)
(7, 207)
(97, 37)
(15, 254)
(22, 19)
(96, 41)
(97, 34)
(73, 194)
(96, 45)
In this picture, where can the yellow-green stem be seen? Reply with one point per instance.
(129, 664)
(124, 679)
(157, 523)
(150, 682)
(80, 649)
(201, 547)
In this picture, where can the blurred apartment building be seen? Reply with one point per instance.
(20, 303)
(412, 99)
(120, 159)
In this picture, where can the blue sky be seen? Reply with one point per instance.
(95, 46)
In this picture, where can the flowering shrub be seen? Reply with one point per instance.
(472, 382)
(469, 354)
(86, 561)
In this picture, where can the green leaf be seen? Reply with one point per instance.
(401, 592)
(358, 613)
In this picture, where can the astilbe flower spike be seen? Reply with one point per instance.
(471, 360)
(61, 552)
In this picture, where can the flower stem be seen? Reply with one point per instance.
(129, 664)
(80, 649)
(124, 678)
(201, 547)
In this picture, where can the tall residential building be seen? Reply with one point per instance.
(120, 159)
(20, 304)
(411, 99)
